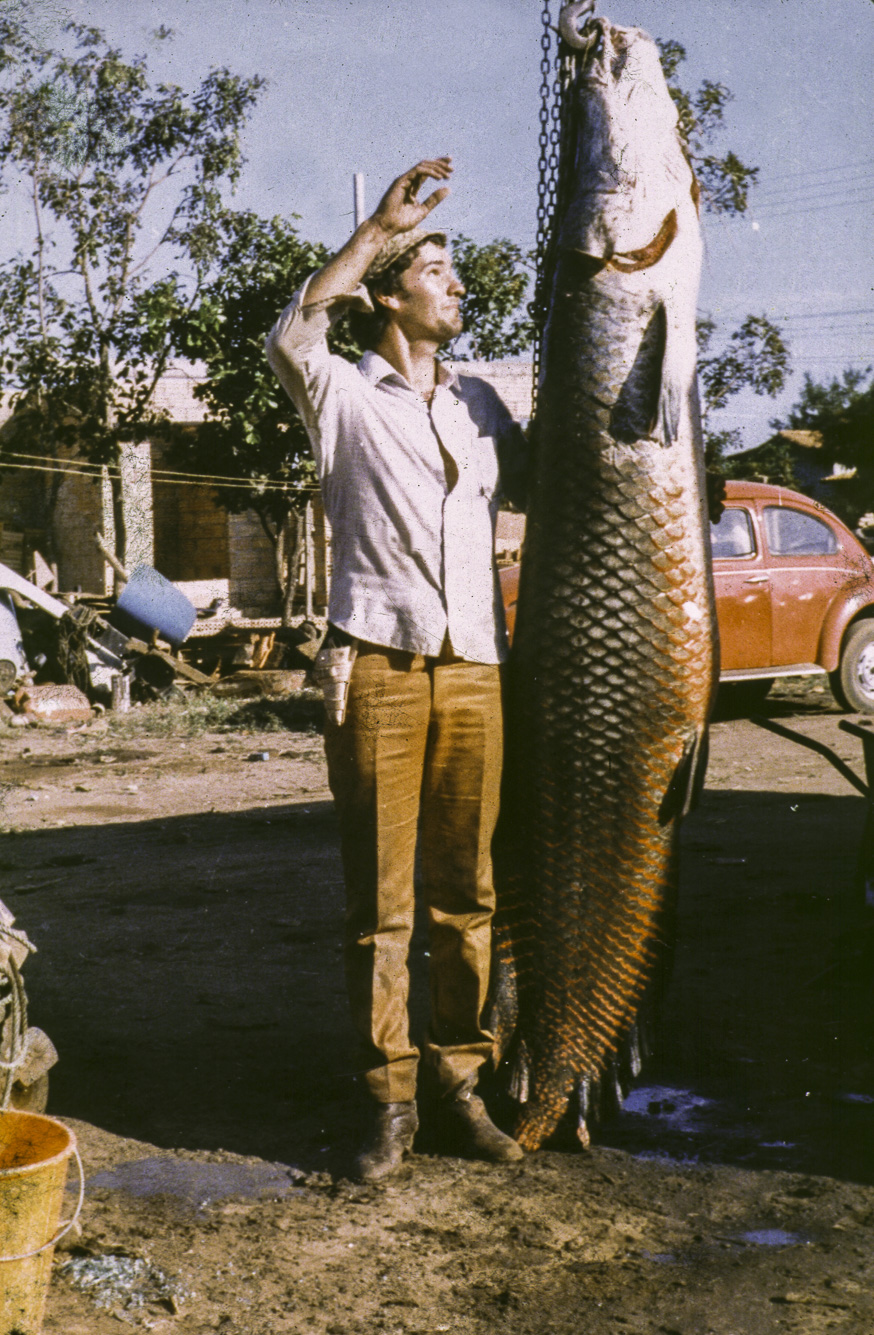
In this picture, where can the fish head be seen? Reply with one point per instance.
(626, 167)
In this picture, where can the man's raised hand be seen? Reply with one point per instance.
(399, 210)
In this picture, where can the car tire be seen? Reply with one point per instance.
(853, 682)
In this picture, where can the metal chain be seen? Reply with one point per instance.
(548, 140)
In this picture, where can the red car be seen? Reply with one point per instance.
(794, 594)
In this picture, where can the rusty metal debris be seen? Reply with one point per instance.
(83, 656)
(61, 658)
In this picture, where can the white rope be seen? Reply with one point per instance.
(65, 1226)
(23, 1052)
(16, 1020)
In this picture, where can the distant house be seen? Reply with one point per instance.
(174, 523)
(816, 472)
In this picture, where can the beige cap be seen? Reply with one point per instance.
(397, 246)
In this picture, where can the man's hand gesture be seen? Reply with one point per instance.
(399, 210)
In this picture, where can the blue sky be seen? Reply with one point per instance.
(372, 85)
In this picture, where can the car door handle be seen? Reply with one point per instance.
(756, 579)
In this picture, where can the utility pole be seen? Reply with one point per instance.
(358, 197)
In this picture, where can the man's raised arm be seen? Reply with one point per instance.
(398, 211)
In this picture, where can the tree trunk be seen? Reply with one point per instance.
(116, 484)
(294, 523)
(119, 524)
(287, 540)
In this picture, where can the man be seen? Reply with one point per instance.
(408, 458)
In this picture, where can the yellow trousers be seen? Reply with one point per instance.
(418, 756)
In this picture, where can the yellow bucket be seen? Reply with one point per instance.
(33, 1171)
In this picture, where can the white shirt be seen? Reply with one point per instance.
(412, 560)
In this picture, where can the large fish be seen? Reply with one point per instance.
(613, 665)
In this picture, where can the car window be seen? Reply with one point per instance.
(793, 533)
(733, 535)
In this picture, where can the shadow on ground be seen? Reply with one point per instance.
(190, 974)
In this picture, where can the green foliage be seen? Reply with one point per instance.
(123, 183)
(771, 462)
(496, 277)
(252, 431)
(755, 357)
(724, 180)
(843, 412)
(192, 715)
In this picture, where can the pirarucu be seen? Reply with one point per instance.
(613, 667)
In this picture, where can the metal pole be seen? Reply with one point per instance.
(358, 196)
(309, 571)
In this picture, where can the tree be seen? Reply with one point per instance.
(842, 411)
(252, 432)
(124, 183)
(724, 180)
(496, 277)
(754, 357)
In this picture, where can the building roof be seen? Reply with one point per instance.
(808, 440)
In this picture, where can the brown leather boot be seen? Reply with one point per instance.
(476, 1132)
(395, 1126)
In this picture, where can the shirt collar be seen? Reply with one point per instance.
(375, 368)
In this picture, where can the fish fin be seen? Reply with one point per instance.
(667, 429)
(584, 1097)
(503, 1014)
(674, 387)
(685, 787)
(676, 409)
(635, 414)
(520, 1075)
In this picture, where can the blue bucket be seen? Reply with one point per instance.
(150, 602)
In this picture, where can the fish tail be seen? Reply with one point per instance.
(540, 1117)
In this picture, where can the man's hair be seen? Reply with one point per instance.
(368, 327)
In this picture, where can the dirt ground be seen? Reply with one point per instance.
(184, 890)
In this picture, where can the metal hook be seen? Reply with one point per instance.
(568, 25)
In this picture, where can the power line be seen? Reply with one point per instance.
(845, 331)
(171, 474)
(817, 171)
(733, 311)
(814, 202)
(816, 208)
(821, 188)
(723, 222)
(164, 478)
(814, 197)
(828, 315)
(844, 197)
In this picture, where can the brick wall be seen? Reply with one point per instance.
(84, 504)
(191, 529)
(511, 380)
(252, 581)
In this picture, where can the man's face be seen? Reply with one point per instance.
(427, 305)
